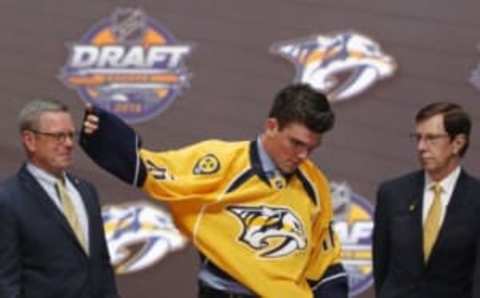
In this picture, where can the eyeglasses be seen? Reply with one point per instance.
(57, 136)
(430, 139)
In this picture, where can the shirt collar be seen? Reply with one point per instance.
(447, 183)
(266, 162)
(43, 175)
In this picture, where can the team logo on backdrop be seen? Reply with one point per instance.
(475, 76)
(128, 64)
(272, 231)
(139, 235)
(354, 226)
(341, 65)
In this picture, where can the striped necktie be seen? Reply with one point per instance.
(431, 227)
(71, 214)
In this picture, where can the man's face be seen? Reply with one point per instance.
(436, 151)
(50, 146)
(289, 146)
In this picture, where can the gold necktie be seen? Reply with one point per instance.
(71, 214)
(431, 227)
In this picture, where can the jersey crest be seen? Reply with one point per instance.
(206, 165)
(271, 231)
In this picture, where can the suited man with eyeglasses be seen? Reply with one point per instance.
(52, 242)
(427, 224)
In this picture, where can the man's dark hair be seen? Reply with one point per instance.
(455, 120)
(302, 104)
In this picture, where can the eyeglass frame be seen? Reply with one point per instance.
(430, 139)
(59, 137)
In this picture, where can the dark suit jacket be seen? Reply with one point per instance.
(453, 268)
(39, 254)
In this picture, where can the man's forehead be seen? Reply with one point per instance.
(302, 134)
(53, 115)
(434, 123)
(55, 118)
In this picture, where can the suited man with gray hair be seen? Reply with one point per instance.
(52, 242)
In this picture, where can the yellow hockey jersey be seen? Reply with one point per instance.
(271, 237)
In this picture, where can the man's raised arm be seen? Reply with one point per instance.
(113, 145)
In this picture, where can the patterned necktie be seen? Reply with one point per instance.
(70, 214)
(431, 227)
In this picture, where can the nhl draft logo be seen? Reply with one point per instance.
(475, 76)
(341, 65)
(272, 231)
(128, 64)
(354, 226)
(139, 235)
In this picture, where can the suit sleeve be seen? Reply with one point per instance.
(476, 273)
(10, 266)
(380, 241)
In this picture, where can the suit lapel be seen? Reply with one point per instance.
(44, 202)
(454, 206)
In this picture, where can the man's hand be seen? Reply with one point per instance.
(90, 122)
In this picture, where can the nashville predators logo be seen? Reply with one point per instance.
(139, 235)
(208, 164)
(341, 65)
(273, 232)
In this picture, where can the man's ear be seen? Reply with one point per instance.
(28, 139)
(271, 126)
(459, 142)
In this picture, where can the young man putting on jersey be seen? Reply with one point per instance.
(259, 212)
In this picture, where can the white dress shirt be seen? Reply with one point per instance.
(47, 181)
(448, 185)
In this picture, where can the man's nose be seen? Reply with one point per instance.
(69, 140)
(303, 153)
(421, 144)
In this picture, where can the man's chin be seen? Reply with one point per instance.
(425, 162)
(64, 164)
(428, 167)
(288, 170)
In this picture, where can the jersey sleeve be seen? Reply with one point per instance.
(194, 172)
(325, 273)
(114, 147)
(326, 253)
(326, 250)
